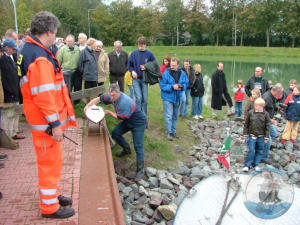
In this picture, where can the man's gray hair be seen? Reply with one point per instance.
(114, 87)
(99, 43)
(70, 36)
(116, 42)
(276, 88)
(43, 22)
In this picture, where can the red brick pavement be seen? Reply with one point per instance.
(18, 181)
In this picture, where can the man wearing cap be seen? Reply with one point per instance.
(10, 82)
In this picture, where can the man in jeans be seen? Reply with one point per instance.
(270, 98)
(136, 62)
(173, 83)
(131, 119)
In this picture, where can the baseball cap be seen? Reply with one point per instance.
(10, 43)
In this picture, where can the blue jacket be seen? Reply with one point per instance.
(293, 108)
(138, 58)
(166, 85)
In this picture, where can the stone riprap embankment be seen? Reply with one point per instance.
(154, 199)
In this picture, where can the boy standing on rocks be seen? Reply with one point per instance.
(257, 128)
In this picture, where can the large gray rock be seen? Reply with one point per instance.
(214, 165)
(173, 180)
(143, 191)
(165, 184)
(161, 174)
(127, 190)
(144, 183)
(168, 211)
(151, 171)
(288, 146)
(153, 181)
(121, 186)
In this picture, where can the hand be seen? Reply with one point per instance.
(134, 75)
(142, 67)
(57, 134)
(273, 121)
(175, 87)
(108, 112)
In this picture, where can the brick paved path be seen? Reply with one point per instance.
(18, 181)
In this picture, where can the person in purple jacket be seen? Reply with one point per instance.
(136, 62)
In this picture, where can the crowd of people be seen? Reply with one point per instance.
(40, 74)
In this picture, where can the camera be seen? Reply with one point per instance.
(180, 86)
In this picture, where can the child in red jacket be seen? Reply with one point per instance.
(239, 97)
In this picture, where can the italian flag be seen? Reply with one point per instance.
(224, 156)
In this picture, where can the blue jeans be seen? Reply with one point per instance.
(273, 134)
(238, 108)
(171, 116)
(141, 94)
(256, 151)
(184, 103)
(196, 106)
(137, 137)
(131, 91)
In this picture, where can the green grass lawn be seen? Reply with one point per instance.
(209, 53)
(159, 152)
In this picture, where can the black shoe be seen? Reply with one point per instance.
(1, 165)
(1, 195)
(61, 213)
(169, 137)
(125, 151)
(139, 171)
(174, 135)
(3, 156)
(64, 201)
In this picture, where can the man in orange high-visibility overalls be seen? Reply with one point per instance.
(46, 103)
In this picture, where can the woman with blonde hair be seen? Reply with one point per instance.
(197, 92)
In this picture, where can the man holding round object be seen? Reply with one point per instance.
(131, 119)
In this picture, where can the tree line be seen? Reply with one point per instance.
(169, 22)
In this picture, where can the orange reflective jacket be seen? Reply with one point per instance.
(45, 95)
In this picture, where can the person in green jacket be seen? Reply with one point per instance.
(68, 57)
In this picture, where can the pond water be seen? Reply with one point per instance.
(278, 73)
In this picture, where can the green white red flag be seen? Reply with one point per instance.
(224, 155)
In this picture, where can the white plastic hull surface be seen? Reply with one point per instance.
(205, 205)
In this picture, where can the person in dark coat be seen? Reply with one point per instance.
(270, 98)
(197, 92)
(118, 61)
(10, 82)
(87, 64)
(220, 95)
(257, 81)
(184, 102)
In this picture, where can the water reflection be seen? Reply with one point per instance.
(278, 73)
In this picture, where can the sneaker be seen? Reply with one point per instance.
(256, 168)
(196, 117)
(169, 137)
(64, 201)
(283, 141)
(174, 135)
(3, 156)
(200, 117)
(246, 169)
(61, 213)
